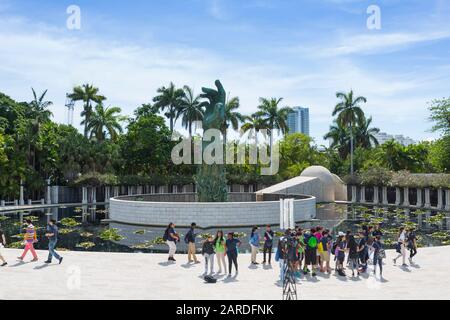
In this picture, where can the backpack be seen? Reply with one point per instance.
(210, 279)
(166, 235)
(381, 254)
(312, 242)
(186, 237)
(334, 247)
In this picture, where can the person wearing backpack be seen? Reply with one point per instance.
(268, 244)
(363, 252)
(310, 252)
(171, 238)
(353, 254)
(378, 255)
(189, 239)
(324, 248)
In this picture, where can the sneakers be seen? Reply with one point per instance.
(171, 259)
(60, 260)
(34, 260)
(404, 265)
(47, 262)
(4, 264)
(313, 274)
(20, 258)
(394, 260)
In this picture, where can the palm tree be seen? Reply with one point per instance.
(349, 111)
(273, 116)
(170, 99)
(253, 123)
(88, 94)
(339, 137)
(232, 117)
(40, 107)
(364, 135)
(190, 109)
(105, 121)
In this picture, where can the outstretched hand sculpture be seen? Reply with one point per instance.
(211, 179)
(214, 109)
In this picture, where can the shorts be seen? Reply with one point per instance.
(325, 256)
(310, 257)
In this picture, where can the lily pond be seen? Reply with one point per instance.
(85, 228)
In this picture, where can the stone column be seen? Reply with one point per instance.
(30, 202)
(2, 203)
(16, 203)
(21, 199)
(49, 192)
(447, 200)
(354, 197)
(130, 190)
(376, 199)
(139, 190)
(84, 195)
(152, 189)
(55, 194)
(384, 195)
(440, 204)
(419, 198)
(251, 188)
(94, 195)
(363, 194)
(406, 196)
(107, 194)
(397, 196)
(42, 201)
(427, 198)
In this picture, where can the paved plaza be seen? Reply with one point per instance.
(92, 275)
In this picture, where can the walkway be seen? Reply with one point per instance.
(90, 275)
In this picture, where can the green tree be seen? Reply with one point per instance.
(88, 94)
(255, 124)
(169, 99)
(440, 115)
(105, 121)
(232, 117)
(190, 109)
(365, 135)
(339, 137)
(274, 116)
(439, 155)
(348, 112)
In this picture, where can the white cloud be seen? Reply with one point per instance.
(43, 57)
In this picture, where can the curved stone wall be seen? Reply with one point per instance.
(218, 214)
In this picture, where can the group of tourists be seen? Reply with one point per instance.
(30, 238)
(214, 247)
(311, 251)
(306, 251)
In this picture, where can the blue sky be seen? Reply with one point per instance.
(303, 51)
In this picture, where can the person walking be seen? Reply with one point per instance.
(378, 255)
(231, 247)
(171, 238)
(208, 253)
(219, 248)
(52, 235)
(254, 244)
(268, 244)
(401, 247)
(412, 244)
(30, 238)
(2, 245)
(190, 241)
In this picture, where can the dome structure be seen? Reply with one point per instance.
(327, 181)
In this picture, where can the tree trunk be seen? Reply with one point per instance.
(351, 148)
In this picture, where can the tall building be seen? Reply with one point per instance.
(298, 120)
(383, 137)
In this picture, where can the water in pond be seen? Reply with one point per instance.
(81, 229)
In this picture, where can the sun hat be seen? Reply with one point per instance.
(341, 234)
